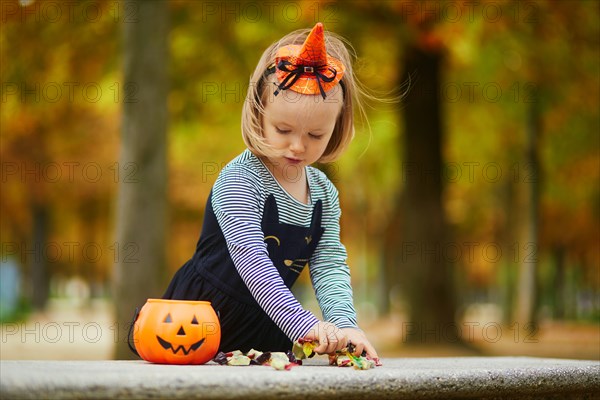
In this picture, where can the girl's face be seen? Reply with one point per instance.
(299, 127)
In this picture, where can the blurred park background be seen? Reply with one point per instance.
(471, 209)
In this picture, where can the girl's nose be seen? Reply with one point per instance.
(297, 144)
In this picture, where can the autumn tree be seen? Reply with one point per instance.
(53, 124)
(142, 204)
(427, 275)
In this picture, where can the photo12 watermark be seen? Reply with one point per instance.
(70, 251)
(68, 172)
(469, 172)
(70, 332)
(269, 11)
(454, 252)
(471, 11)
(27, 92)
(469, 332)
(209, 171)
(477, 92)
(54, 12)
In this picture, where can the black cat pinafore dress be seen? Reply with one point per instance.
(211, 275)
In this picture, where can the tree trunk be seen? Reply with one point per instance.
(510, 232)
(142, 201)
(389, 281)
(528, 259)
(559, 284)
(40, 285)
(427, 278)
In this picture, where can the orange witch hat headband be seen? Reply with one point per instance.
(307, 69)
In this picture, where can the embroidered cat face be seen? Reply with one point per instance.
(290, 246)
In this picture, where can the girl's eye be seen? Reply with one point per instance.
(283, 131)
(314, 136)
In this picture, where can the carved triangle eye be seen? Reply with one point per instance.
(194, 321)
(168, 319)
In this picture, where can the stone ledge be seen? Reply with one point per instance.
(399, 378)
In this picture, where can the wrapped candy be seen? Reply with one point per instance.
(238, 359)
(342, 358)
(301, 349)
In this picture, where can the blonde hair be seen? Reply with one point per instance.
(254, 106)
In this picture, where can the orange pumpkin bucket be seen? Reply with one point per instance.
(177, 332)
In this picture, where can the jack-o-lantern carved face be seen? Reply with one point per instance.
(181, 335)
(177, 332)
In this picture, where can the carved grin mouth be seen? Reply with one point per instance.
(167, 345)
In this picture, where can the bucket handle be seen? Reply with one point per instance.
(130, 334)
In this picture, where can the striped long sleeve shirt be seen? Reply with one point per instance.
(238, 198)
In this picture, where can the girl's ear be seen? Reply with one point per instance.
(270, 211)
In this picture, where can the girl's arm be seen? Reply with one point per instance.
(330, 275)
(329, 272)
(237, 203)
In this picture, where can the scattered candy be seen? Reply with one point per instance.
(341, 358)
(304, 349)
(279, 364)
(264, 358)
(301, 349)
(252, 354)
(238, 359)
(220, 358)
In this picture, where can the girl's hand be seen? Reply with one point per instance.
(360, 342)
(330, 337)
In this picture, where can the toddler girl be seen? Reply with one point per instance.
(270, 215)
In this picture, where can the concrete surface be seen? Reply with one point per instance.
(408, 378)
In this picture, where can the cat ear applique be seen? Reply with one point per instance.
(316, 230)
(317, 215)
(270, 211)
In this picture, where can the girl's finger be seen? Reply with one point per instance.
(323, 343)
(332, 343)
(343, 343)
(371, 351)
(358, 349)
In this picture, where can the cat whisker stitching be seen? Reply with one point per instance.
(297, 268)
(294, 266)
(289, 263)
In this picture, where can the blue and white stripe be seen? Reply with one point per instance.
(239, 195)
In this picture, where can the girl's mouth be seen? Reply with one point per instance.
(293, 161)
